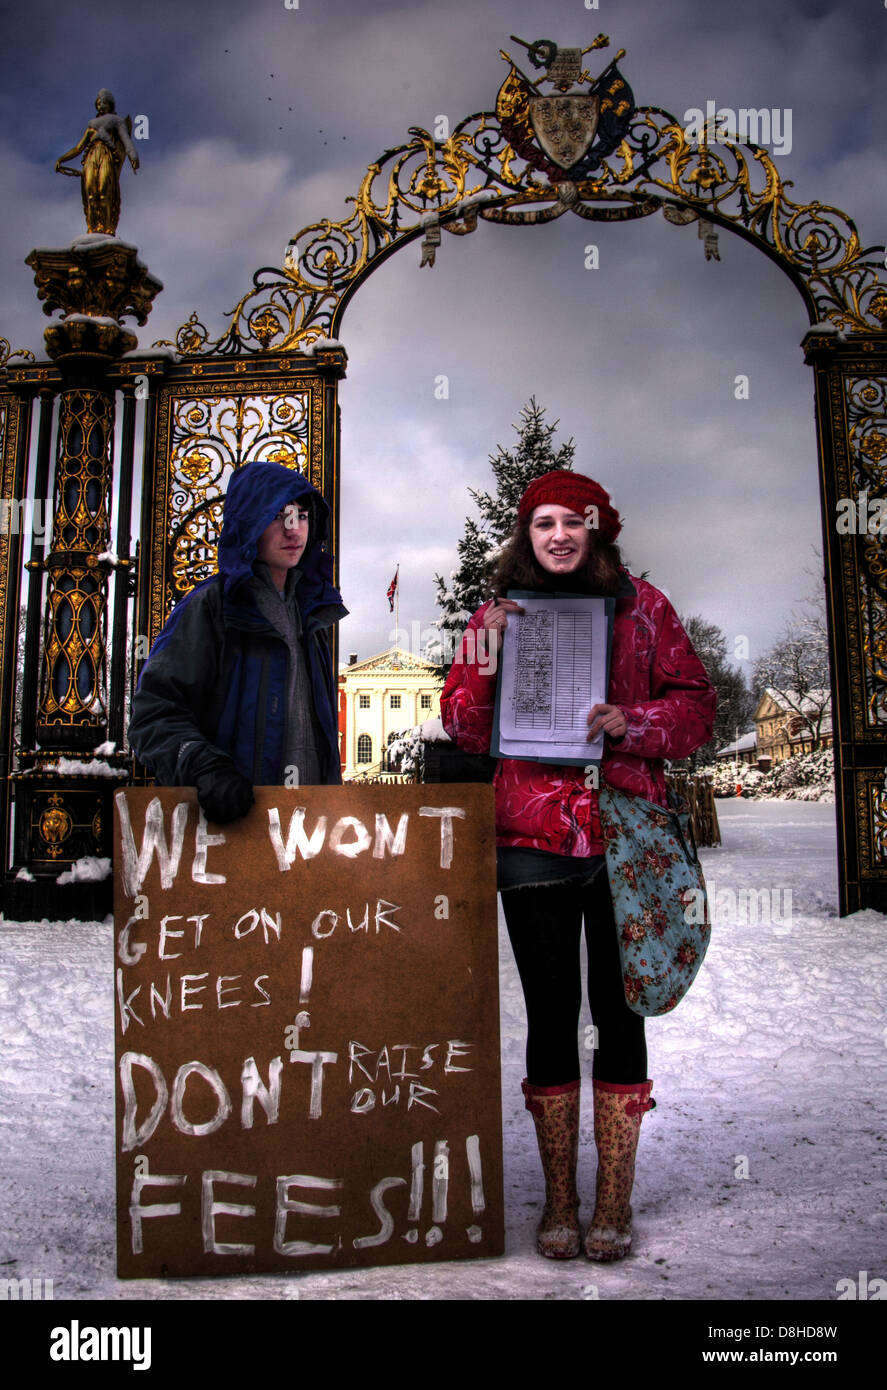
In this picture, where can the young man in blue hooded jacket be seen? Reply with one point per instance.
(238, 690)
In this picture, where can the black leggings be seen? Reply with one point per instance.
(544, 925)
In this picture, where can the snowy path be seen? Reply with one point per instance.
(775, 1066)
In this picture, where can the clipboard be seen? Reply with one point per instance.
(519, 595)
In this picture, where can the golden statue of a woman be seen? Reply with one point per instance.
(105, 145)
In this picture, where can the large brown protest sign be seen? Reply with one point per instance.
(307, 1030)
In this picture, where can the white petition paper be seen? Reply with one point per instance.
(554, 668)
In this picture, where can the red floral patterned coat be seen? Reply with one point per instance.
(658, 682)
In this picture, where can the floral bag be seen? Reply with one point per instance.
(659, 900)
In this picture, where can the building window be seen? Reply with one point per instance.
(425, 701)
(364, 749)
(392, 760)
(395, 702)
(363, 701)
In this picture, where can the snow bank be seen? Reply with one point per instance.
(94, 767)
(86, 870)
(760, 1173)
(808, 777)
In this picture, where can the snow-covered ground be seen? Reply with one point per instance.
(760, 1174)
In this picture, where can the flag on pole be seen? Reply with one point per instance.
(392, 590)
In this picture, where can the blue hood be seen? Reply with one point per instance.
(244, 714)
(256, 494)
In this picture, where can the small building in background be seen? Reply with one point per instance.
(741, 750)
(379, 699)
(785, 724)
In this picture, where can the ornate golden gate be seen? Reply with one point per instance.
(267, 388)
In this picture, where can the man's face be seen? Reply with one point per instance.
(282, 544)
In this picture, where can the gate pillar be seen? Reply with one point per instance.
(62, 808)
(851, 412)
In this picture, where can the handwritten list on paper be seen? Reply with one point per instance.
(554, 669)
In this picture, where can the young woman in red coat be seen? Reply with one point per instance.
(660, 704)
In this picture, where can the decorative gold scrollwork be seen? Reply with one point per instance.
(210, 437)
(723, 181)
(7, 353)
(879, 824)
(74, 647)
(867, 437)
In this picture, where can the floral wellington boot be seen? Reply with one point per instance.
(618, 1111)
(555, 1110)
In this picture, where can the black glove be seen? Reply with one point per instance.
(223, 792)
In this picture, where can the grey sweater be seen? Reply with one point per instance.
(303, 740)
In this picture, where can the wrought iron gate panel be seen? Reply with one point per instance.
(865, 399)
(209, 423)
(851, 404)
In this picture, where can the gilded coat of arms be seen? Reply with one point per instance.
(571, 131)
(565, 125)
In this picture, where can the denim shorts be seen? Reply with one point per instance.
(537, 868)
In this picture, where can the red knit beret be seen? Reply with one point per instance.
(573, 490)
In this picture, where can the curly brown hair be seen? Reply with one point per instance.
(517, 567)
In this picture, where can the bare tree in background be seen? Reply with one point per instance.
(736, 705)
(796, 667)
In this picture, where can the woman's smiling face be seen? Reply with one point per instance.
(560, 538)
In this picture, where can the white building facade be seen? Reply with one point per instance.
(379, 699)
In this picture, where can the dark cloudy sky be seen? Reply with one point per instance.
(263, 119)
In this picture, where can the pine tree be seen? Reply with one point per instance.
(513, 470)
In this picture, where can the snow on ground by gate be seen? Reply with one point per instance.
(774, 1066)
